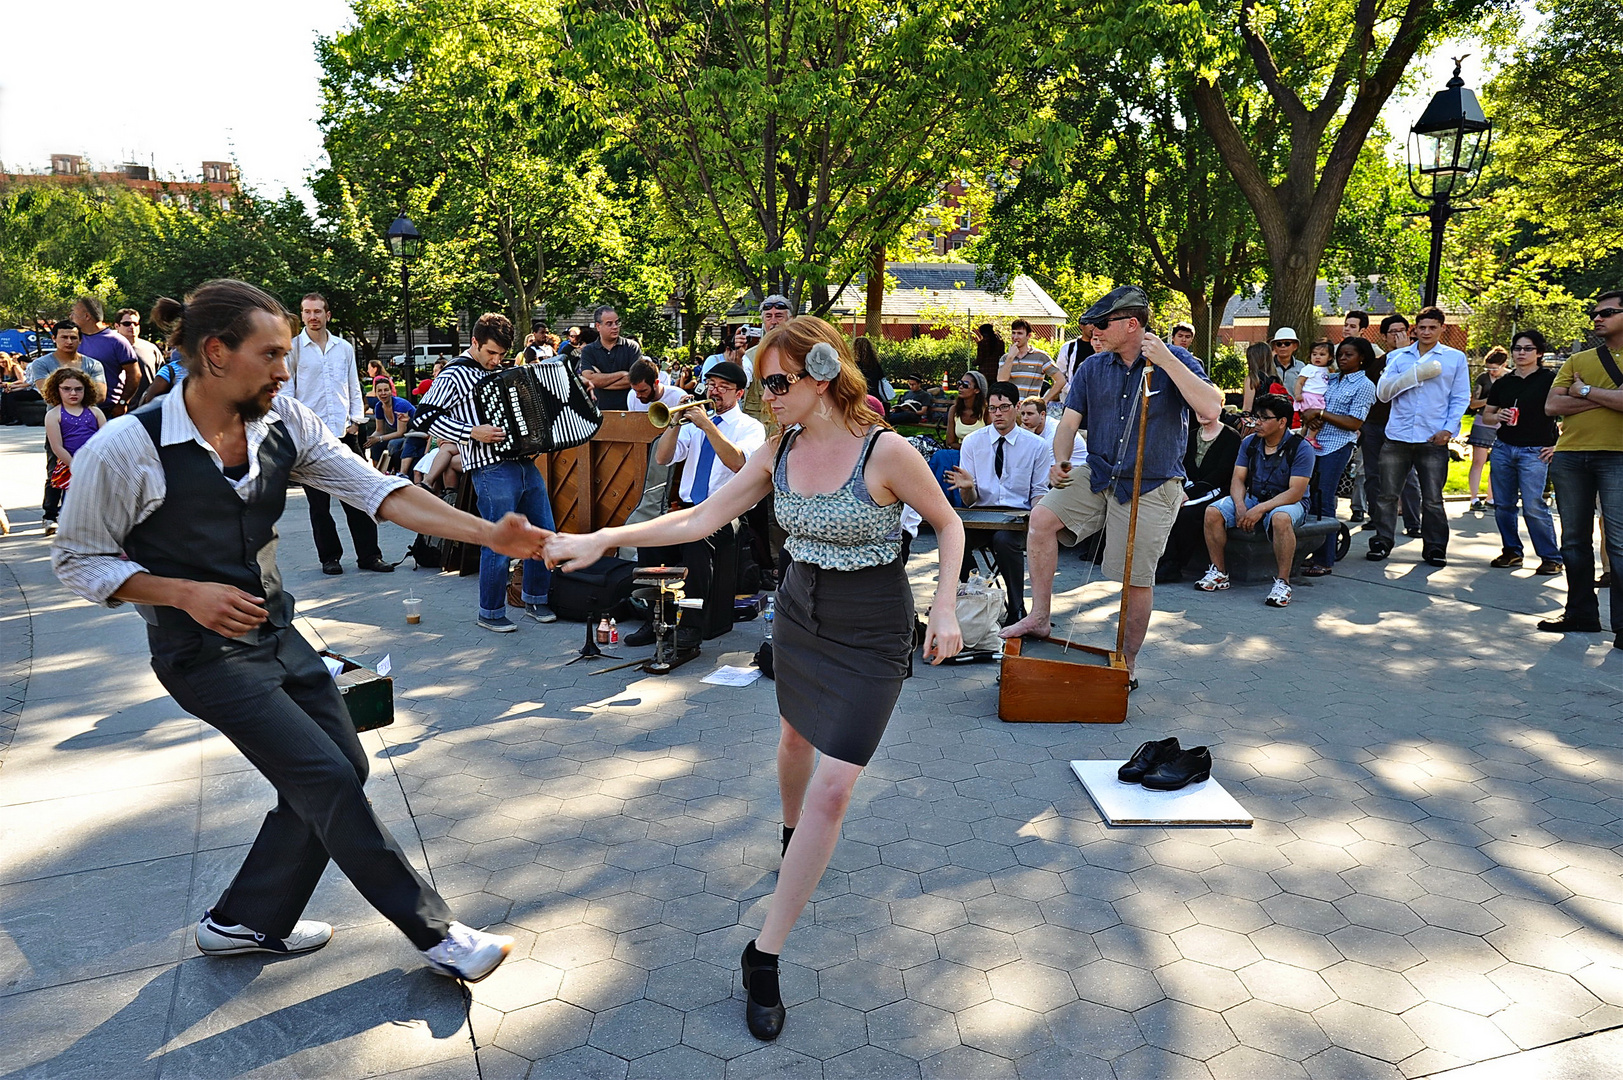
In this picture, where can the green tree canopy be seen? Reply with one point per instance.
(790, 139)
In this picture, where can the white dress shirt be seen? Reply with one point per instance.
(742, 430)
(1026, 460)
(1079, 445)
(118, 482)
(1435, 404)
(326, 380)
(672, 396)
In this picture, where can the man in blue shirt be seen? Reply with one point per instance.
(1429, 386)
(1270, 481)
(1104, 398)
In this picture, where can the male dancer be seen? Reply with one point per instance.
(1102, 399)
(201, 568)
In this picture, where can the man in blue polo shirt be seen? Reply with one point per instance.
(1104, 399)
(106, 346)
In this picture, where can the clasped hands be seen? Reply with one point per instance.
(516, 538)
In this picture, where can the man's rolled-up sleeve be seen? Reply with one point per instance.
(328, 465)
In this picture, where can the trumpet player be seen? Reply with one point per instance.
(712, 448)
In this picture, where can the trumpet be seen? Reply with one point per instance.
(662, 415)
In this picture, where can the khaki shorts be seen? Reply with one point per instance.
(1083, 513)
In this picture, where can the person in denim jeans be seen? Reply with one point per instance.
(448, 412)
(1588, 466)
(1347, 403)
(1521, 454)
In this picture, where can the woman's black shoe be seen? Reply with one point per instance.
(1147, 757)
(763, 1005)
(1189, 767)
(788, 834)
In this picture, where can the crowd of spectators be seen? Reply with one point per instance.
(1349, 417)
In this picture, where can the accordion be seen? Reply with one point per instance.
(541, 408)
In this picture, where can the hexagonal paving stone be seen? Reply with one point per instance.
(636, 1029)
(689, 985)
(824, 1029)
(1277, 1030)
(1032, 986)
(544, 1029)
(1184, 1029)
(912, 1029)
(861, 985)
(947, 986)
(517, 984)
(1120, 986)
(1201, 984)
(603, 985)
(1003, 1029)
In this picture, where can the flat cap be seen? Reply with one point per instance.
(1128, 296)
(729, 371)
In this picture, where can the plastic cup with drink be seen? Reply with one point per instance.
(414, 609)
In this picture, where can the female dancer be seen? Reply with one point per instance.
(843, 641)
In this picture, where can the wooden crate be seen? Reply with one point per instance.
(368, 696)
(1054, 681)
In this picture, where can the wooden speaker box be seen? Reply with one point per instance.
(1053, 681)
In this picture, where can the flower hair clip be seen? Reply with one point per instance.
(822, 362)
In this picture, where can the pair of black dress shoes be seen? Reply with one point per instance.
(1165, 766)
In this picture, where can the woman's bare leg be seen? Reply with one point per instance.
(1479, 458)
(827, 797)
(796, 757)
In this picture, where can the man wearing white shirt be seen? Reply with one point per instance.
(1429, 386)
(712, 450)
(1004, 466)
(649, 386)
(325, 378)
(1035, 419)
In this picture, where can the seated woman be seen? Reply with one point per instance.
(394, 415)
(968, 414)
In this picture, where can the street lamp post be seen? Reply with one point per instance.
(1447, 148)
(403, 241)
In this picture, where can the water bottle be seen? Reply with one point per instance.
(767, 616)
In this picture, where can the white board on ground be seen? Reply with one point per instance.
(1205, 803)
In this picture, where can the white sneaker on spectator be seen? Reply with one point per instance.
(1279, 595)
(1214, 581)
(468, 954)
(218, 939)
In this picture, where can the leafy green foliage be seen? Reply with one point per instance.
(457, 113)
(927, 356)
(788, 138)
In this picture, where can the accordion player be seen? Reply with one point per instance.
(541, 408)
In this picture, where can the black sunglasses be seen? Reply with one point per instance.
(774, 307)
(1605, 312)
(779, 383)
(1100, 324)
(129, 322)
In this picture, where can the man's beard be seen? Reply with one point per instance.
(256, 408)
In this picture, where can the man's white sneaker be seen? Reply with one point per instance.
(1214, 581)
(468, 954)
(1279, 595)
(217, 939)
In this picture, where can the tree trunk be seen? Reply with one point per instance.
(873, 316)
(1292, 282)
(1200, 316)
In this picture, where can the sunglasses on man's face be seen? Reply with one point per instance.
(778, 383)
(130, 322)
(1102, 323)
(1605, 312)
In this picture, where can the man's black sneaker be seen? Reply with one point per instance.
(1551, 567)
(1564, 625)
(1413, 533)
(1356, 516)
(1377, 552)
(1436, 558)
(334, 567)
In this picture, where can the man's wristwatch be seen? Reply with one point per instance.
(1583, 391)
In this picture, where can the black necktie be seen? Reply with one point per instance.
(997, 462)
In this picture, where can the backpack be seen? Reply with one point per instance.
(429, 552)
(1287, 450)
